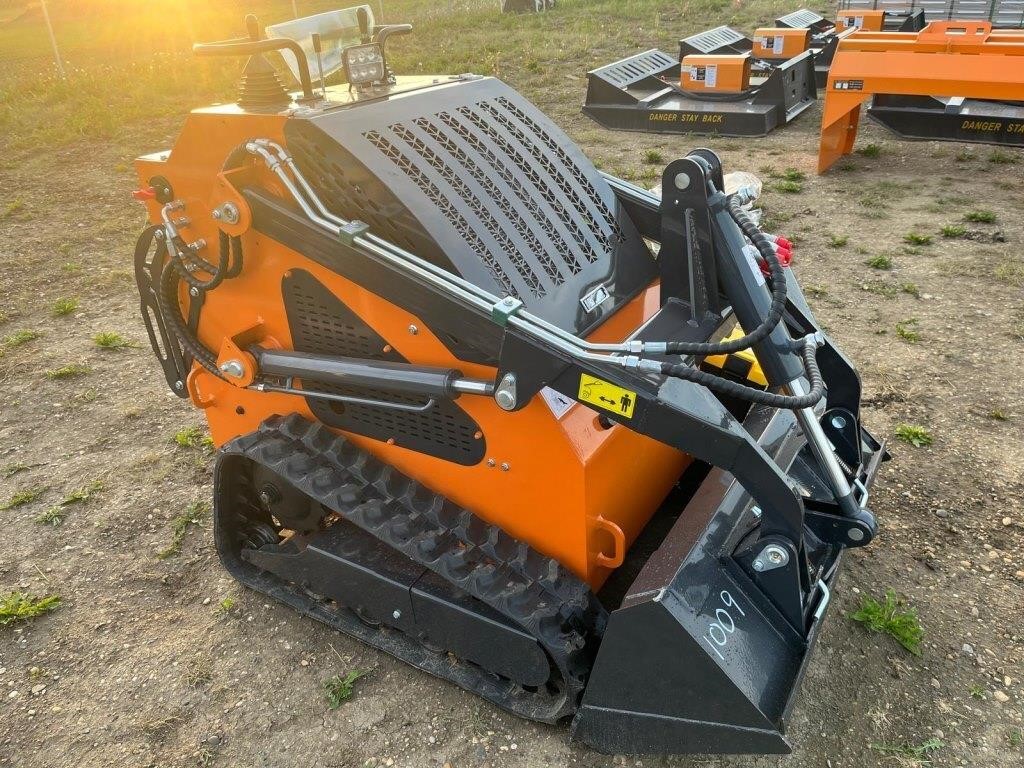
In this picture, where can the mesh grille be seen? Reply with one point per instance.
(320, 323)
(713, 39)
(628, 71)
(536, 219)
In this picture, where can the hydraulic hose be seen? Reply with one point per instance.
(779, 294)
(751, 394)
(171, 311)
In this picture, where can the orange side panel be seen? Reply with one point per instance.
(566, 485)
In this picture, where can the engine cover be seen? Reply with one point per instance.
(469, 175)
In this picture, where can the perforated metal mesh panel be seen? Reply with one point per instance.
(717, 40)
(634, 69)
(473, 177)
(321, 323)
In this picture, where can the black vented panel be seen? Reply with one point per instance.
(321, 323)
(469, 175)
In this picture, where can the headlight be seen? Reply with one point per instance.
(364, 64)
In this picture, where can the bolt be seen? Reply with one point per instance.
(396, 614)
(759, 565)
(265, 499)
(838, 422)
(413, 330)
(508, 301)
(505, 467)
(233, 368)
(855, 534)
(491, 462)
(179, 385)
(505, 399)
(776, 555)
(216, 214)
(682, 181)
(756, 511)
(159, 234)
(198, 245)
(193, 291)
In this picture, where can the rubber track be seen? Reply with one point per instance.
(532, 590)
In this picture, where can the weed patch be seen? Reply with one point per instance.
(179, 528)
(18, 606)
(339, 689)
(916, 435)
(891, 618)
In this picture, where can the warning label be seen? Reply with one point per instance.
(608, 396)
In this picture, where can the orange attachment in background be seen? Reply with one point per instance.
(946, 58)
(867, 20)
(715, 74)
(780, 42)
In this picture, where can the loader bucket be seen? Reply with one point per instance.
(695, 659)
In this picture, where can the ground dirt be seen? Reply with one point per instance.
(142, 665)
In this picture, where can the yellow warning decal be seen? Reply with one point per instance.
(608, 396)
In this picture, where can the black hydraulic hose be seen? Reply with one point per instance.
(752, 394)
(180, 252)
(171, 311)
(779, 294)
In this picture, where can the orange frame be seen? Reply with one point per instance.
(946, 58)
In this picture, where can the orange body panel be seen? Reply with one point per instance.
(867, 20)
(780, 42)
(718, 74)
(573, 489)
(946, 58)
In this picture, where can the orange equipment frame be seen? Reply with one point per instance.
(946, 58)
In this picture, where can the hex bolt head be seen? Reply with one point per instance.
(396, 614)
(193, 292)
(775, 554)
(855, 534)
(179, 385)
(759, 565)
(491, 463)
(413, 330)
(682, 180)
(756, 512)
(838, 422)
(505, 466)
(216, 214)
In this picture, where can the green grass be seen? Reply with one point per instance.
(180, 526)
(910, 754)
(13, 208)
(891, 617)
(1016, 738)
(21, 498)
(53, 517)
(978, 691)
(980, 217)
(911, 289)
(870, 150)
(653, 157)
(226, 605)
(18, 606)
(192, 437)
(879, 262)
(339, 689)
(111, 340)
(915, 238)
(789, 187)
(953, 231)
(65, 306)
(907, 330)
(18, 338)
(997, 415)
(999, 157)
(916, 435)
(69, 371)
(13, 469)
(838, 241)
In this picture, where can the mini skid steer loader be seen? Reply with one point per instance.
(522, 425)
